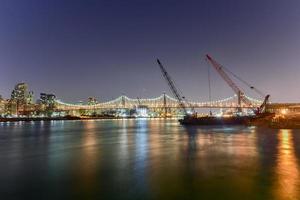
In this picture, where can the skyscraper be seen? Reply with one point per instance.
(47, 99)
(21, 95)
(3, 104)
(47, 103)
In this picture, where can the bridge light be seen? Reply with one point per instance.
(283, 111)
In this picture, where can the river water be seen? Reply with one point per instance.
(146, 159)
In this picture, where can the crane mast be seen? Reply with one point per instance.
(172, 87)
(219, 68)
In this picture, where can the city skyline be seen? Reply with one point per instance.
(90, 50)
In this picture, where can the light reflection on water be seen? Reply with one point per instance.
(146, 159)
(87, 158)
(287, 169)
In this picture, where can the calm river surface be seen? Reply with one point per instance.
(146, 159)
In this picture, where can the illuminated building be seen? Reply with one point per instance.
(142, 111)
(21, 95)
(47, 101)
(3, 106)
(21, 100)
(30, 98)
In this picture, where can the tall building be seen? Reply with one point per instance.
(3, 104)
(47, 99)
(21, 95)
(21, 100)
(47, 104)
(30, 98)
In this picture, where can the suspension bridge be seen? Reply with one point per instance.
(160, 102)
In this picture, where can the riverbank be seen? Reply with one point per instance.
(275, 123)
(29, 119)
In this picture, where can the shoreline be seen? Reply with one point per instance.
(70, 118)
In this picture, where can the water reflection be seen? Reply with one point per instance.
(141, 143)
(209, 163)
(86, 162)
(123, 151)
(147, 159)
(287, 170)
(89, 153)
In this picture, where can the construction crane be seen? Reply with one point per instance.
(219, 68)
(139, 101)
(241, 95)
(181, 100)
(262, 108)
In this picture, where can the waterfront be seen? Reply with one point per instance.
(146, 159)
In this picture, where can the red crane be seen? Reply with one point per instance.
(241, 95)
(219, 68)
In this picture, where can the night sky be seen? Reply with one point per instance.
(78, 49)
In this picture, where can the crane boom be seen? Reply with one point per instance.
(172, 87)
(219, 68)
(139, 101)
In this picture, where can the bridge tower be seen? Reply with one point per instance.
(240, 101)
(165, 105)
(123, 101)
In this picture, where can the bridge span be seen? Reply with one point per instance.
(161, 105)
(162, 101)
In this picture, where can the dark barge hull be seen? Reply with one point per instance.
(215, 121)
(260, 119)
